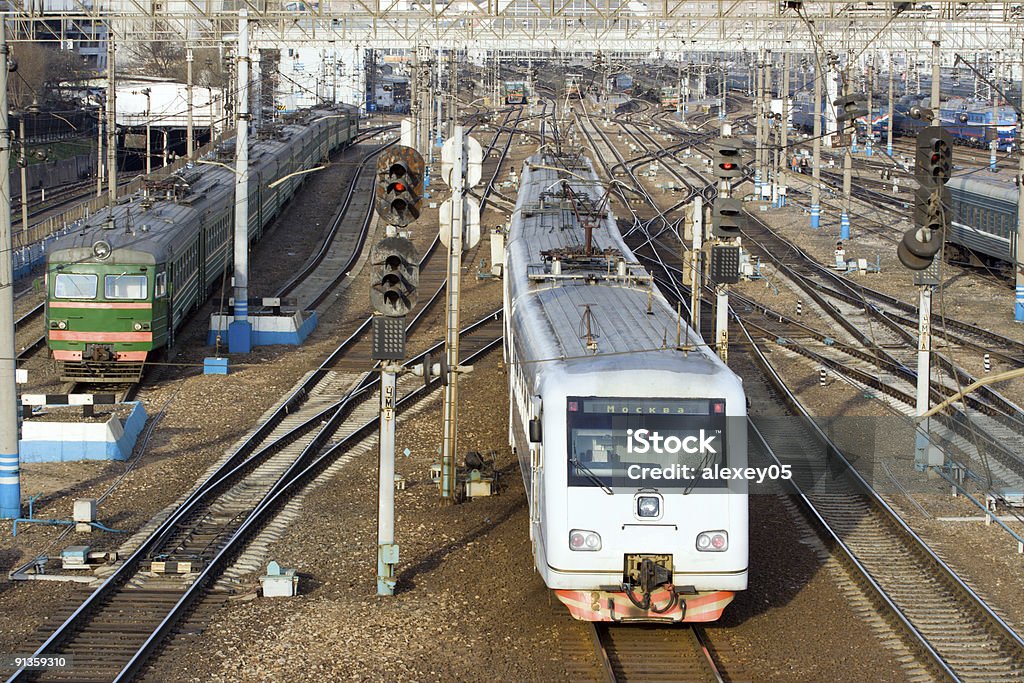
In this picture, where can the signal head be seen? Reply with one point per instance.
(934, 160)
(399, 190)
(396, 274)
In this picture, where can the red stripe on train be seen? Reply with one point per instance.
(100, 304)
(69, 335)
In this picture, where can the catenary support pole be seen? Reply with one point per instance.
(892, 118)
(451, 390)
(111, 120)
(10, 485)
(698, 242)
(924, 312)
(817, 110)
(240, 329)
(189, 127)
(387, 549)
(1018, 313)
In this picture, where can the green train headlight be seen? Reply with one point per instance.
(58, 324)
(141, 326)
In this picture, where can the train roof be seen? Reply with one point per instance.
(135, 235)
(589, 313)
(989, 189)
(153, 228)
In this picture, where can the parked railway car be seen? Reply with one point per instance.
(515, 92)
(604, 417)
(803, 118)
(120, 286)
(668, 98)
(984, 226)
(969, 122)
(574, 86)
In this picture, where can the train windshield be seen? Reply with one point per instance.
(74, 286)
(124, 286)
(659, 443)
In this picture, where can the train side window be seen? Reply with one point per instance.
(125, 286)
(160, 288)
(74, 286)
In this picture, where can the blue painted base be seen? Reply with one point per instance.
(240, 336)
(1018, 312)
(844, 227)
(215, 366)
(67, 441)
(815, 216)
(268, 330)
(10, 487)
(888, 150)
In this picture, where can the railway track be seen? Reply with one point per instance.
(655, 653)
(952, 630)
(118, 627)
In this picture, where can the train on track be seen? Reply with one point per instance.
(122, 283)
(620, 433)
(984, 226)
(514, 92)
(574, 86)
(968, 122)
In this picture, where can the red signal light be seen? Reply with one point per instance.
(728, 166)
(399, 187)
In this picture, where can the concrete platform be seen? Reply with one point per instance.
(266, 329)
(67, 441)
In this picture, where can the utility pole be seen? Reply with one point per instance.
(111, 122)
(23, 167)
(892, 116)
(99, 150)
(240, 329)
(758, 102)
(697, 245)
(783, 154)
(769, 178)
(817, 109)
(924, 307)
(993, 145)
(1018, 314)
(189, 127)
(844, 220)
(457, 182)
(461, 163)
(870, 131)
(10, 484)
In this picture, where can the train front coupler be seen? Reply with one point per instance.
(649, 575)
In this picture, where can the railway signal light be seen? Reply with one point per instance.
(934, 161)
(850, 108)
(396, 274)
(727, 159)
(726, 217)
(399, 189)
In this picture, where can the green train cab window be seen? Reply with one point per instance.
(124, 286)
(161, 285)
(74, 286)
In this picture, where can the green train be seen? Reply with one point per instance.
(123, 282)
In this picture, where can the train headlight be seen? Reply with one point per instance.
(648, 507)
(713, 541)
(580, 539)
(58, 324)
(138, 327)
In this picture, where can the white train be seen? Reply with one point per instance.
(617, 412)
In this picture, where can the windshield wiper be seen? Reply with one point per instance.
(591, 476)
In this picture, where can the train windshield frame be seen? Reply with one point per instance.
(75, 286)
(125, 286)
(640, 442)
